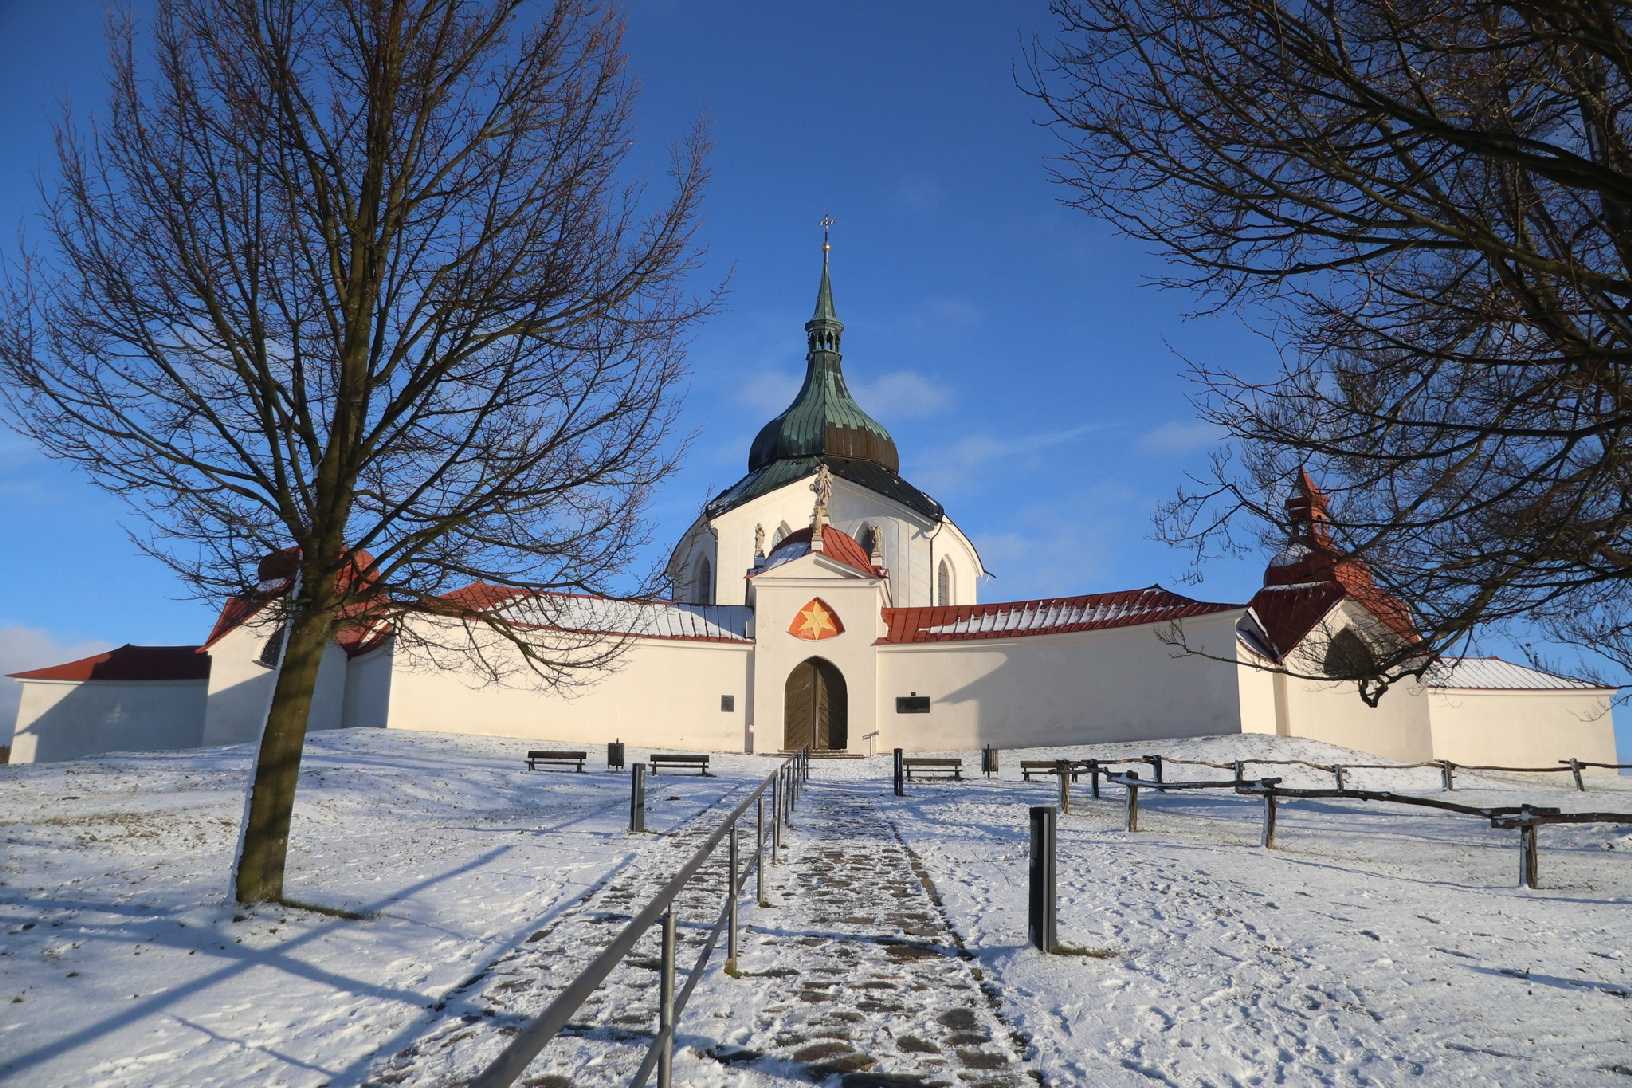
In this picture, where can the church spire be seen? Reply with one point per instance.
(823, 330)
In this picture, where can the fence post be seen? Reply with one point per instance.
(1528, 855)
(1156, 765)
(1093, 778)
(1446, 773)
(1338, 774)
(759, 850)
(637, 797)
(1269, 818)
(731, 908)
(1040, 900)
(1133, 800)
(1575, 769)
(900, 774)
(1240, 776)
(776, 817)
(665, 1005)
(1062, 768)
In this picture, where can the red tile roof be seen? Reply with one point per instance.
(357, 634)
(1048, 616)
(129, 663)
(837, 545)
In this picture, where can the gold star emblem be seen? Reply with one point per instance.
(815, 621)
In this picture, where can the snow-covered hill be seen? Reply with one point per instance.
(1376, 945)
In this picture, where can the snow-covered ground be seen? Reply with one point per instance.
(1376, 945)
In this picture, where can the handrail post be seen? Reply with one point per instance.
(665, 1007)
(637, 797)
(731, 907)
(759, 850)
(788, 797)
(776, 818)
(1133, 800)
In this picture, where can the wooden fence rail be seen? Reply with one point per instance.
(1339, 771)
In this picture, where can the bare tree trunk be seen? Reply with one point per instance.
(277, 763)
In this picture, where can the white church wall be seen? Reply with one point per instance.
(368, 688)
(904, 538)
(1521, 728)
(1088, 687)
(1257, 687)
(778, 598)
(64, 719)
(661, 693)
(240, 687)
(1332, 710)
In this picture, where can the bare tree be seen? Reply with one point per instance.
(1432, 204)
(365, 277)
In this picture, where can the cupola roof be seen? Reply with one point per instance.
(824, 419)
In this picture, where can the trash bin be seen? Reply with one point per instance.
(988, 760)
(614, 755)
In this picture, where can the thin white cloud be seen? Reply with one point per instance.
(963, 465)
(1180, 436)
(902, 394)
(24, 648)
(769, 391)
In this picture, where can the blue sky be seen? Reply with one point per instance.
(1031, 379)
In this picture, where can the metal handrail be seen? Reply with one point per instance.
(532, 1039)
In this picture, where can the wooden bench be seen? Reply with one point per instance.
(659, 761)
(538, 758)
(928, 765)
(1029, 767)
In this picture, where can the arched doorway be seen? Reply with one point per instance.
(815, 707)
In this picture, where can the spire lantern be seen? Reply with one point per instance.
(823, 330)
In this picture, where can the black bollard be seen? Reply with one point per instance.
(900, 774)
(637, 797)
(1040, 902)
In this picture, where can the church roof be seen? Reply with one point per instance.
(1492, 673)
(824, 418)
(1048, 616)
(584, 614)
(869, 474)
(127, 664)
(837, 545)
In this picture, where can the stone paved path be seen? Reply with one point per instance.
(854, 973)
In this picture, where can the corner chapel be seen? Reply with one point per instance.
(824, 601)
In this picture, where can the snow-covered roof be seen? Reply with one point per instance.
(1049, 616)
(1494, 673)
(837, 545)
(638, 619)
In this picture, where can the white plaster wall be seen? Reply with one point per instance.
(1521, 728)
(661, 694)
(904, 539)
(368, 688)
(1088, 687)
(1332, 711)
(240, 687)
(779, 595)
(61, 719)
(1257, 684)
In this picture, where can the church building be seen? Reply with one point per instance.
(823, 600)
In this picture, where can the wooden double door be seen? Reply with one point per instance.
(816, 707)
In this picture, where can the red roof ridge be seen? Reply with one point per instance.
(128, 663)
(837, 545)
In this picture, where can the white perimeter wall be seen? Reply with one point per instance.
(61, 719)
(1121, 684)
(241, 687)
(662, 694)
(1521, 728)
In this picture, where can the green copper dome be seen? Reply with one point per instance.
(824, 420)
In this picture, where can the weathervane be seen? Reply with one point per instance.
(827, 223)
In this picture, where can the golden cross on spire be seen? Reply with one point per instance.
(827, 222)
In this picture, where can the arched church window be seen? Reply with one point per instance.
(703, 591)
(945, 585)
(1348, 657)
